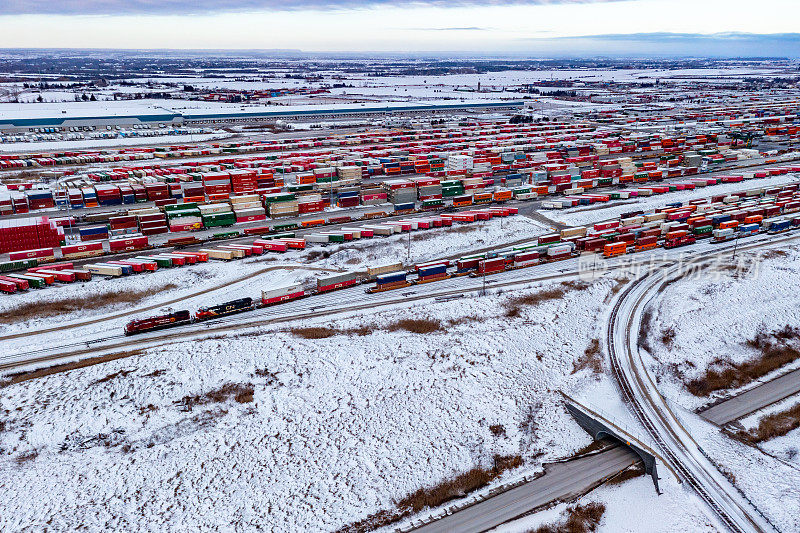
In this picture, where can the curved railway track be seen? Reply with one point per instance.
(653, 411)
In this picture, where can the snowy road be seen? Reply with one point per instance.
(754, 399)
(561, 481)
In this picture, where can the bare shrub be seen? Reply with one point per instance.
(313, 255)
(435, 496)
(773, 425)
(580, 519)
(775, 353)
(416, 325)
(241, 392)
(592, 358)
(629, 473)
(314, 332)
(668, 337)
(26, 457)
(515, 304)
(498, 430)
(115, 375)
(644, 330)
(32, 310)
(773, 254)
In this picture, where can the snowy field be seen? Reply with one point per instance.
(772, 485)
(337, 428)
(706, 320)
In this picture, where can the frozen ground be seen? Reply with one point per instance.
(576, 216)
(338, 428)
(711, 316)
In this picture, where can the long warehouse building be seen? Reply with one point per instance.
(219, 117)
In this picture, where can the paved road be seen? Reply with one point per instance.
(754, 399)
(560, 482)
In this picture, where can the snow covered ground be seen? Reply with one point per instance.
(704, 321)
(577, 216)
(785, 447)
(338, 428)
(772, 485)
(427, 245)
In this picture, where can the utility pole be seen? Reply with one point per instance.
(408, 252)
(736, 244)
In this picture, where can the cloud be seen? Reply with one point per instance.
(467, 28)
(732, 44)
(167, 7)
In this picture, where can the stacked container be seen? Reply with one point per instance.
(248, 208)
(29, 234)
(214, 215)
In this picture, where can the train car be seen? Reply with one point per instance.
(490, 266)
(227, 308)
(678, 238)
(142, 325)
(724, 234)
(615, 248)
(282, 294)
(8, 286)
(338, 281)
(467, 264)
(419, 266)
(80, 275)
(745, 230)
(34, 282)
(432, 272)
(62, 276)
(779, 226)
(21, 284)
(104, 269)
(388, 282)
(525, 259)
(557, 252)
(137, 267)
(646, 243)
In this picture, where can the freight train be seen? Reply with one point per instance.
(270, 297)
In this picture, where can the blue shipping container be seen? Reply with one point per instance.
(93, 230)
(391, 277)
(432, 270)
(402, 207)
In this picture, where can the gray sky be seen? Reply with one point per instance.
(706, 27)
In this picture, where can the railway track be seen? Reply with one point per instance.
(651, 409)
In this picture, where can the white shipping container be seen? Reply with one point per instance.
(215, 253)
(281, 291)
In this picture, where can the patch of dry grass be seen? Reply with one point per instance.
(592, 358)
(580, 519)
(240, 392)
(629, 473)
(416, 325)
(430, 497)
(115, 375)
(32, 310)
(515, 304)
(776, 351)
(773, 425)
